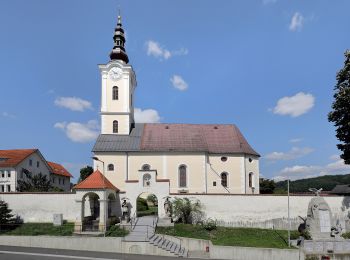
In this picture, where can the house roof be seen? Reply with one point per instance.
(11, 158)
(95, 181)
(216, 139)
(341, 189)
(58, 169)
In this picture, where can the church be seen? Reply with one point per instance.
(162, 158)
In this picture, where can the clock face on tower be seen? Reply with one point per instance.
(115, 73)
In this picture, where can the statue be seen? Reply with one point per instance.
(167, 207)
(125, 210)
(316, 191)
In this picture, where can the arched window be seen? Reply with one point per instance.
(182, 176)
(110, 167)
(115, 93)
(115, 126)
(146, 167)
(224, 179)
(250, 180)
(146, 180)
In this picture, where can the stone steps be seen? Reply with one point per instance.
(170, 246)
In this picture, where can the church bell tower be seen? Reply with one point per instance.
(117, 89)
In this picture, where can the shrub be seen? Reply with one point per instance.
(210, 224)
(116, 231)
(141, 204)
(187, 211)
(346, 235)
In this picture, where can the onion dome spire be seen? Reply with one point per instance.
(118, 52)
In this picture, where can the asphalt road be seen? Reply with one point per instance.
(25, 253)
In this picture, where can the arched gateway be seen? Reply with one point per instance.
(99, 202)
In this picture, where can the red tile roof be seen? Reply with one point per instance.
(11, 158)
(96, 181)
(194, 138)
(58, 169)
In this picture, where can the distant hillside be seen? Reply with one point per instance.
(326, 182)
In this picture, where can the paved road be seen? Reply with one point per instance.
(25, 253)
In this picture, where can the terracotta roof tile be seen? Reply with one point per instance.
(11, 158)
(58, 169)
(96, 181)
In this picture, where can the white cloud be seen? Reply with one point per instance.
(8, 115)
(309, 171)
(146, 116)
(297, 22)
(78, 132)
(294, 106)
(73, 103)
(156, 50)
(179, 83)
(294, 153)
(296, 140)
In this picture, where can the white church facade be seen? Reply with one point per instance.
(171, 158)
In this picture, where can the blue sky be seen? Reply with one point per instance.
(267, 66)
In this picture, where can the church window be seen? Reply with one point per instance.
(146, 180)
(250, 180)
(182, 176)
(115, 93)
(224, 179)
(214, 183)
(115, 126)
(250, 160)
(146, 167)
(110, 167)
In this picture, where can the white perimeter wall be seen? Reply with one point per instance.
(36, 207)
(40, 207)
(258, 207)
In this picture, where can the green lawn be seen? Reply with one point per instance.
(247, 237)
(37, 229)
(152, 210)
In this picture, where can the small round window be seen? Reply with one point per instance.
(224, 159)
(250, 159)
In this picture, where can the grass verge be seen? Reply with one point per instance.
(37, 229)
(246, 237)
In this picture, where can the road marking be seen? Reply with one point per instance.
(57, 256)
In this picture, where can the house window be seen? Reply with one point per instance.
(59, 181)
(110, 167)
(250, 180)
(115, 126)
(8, 188)
(21, 175)
(63, 181)
(182, 176)
(2, 174)
(224, 179)
(37, 164)
(214, 183)
(146, 180)
(146, 167)
(30, 162)
(2, 188)
(53, 180)
(115, 93)
(8, 174)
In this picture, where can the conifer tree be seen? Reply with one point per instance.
(340, 114)
(5, 214)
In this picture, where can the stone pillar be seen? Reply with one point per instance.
(78, 225)
(103, 215)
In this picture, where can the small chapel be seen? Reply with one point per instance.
(164, 159)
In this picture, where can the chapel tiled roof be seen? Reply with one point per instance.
(95, 181)
(11, 158)
(58, 169)
(216, 139)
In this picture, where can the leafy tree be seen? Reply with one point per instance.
(187, 211)
(340, 114)
(267, 186)
(153, 199)
(85, 172)
(5, 214)
(34, 183)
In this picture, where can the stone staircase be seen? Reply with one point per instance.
(167, 245)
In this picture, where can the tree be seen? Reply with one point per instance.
(85, 172)
(153, 199)
(340, 114)
(187, 211)
(34, 183)
(267, 186)
(5, 214)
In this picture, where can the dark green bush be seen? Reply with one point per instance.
(209, 224)
(116, 231)
(141, 204)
